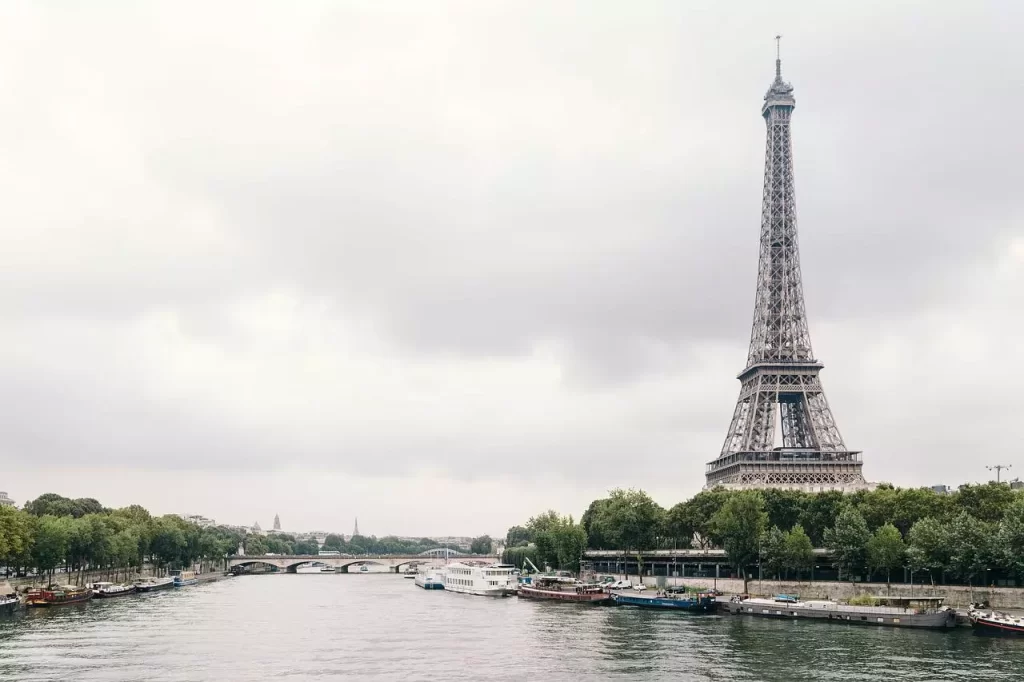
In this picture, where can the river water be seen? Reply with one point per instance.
(324, 627)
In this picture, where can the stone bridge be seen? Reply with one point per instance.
(396, 563)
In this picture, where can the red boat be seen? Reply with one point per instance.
(58, 595)
(561, 590)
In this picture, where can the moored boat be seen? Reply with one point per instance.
(991, 622)
(431, 579)
(9, 601)
(107, 590)
(151, 584)
(183, 578)
(494, 580)
(694, 603)
(907, 612)
(557, 588)
(58, 595)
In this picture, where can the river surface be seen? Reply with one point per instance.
(325, 627)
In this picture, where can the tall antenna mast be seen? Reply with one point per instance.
(778, 56)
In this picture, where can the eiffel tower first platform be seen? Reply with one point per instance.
(780, 385)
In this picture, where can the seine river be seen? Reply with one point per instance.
(313, 627)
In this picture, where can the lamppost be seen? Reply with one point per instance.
(998, 468)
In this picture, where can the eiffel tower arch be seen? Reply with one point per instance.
(780, 389)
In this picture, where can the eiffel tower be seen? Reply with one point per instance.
(781, 369)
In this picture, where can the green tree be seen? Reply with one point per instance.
(740, 524)
(334, 543)
(886, 550)
(969, 546)
(696, 514)
(570, 543)
(50, 543)
(517, 536)
(518, 555)
(773, 551)
(167, 542)
(799, 550)
(928, 547)
(820, 513)
(630, 520)
(482, 545)
(784, 507)
(848, 540)
(595, 540)
(16, 535)
(987, 502)
(878, 506)
(255, 545)
(1011, 537)
(306, 547)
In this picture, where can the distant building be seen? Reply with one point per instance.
(277, 522)
(198, 520)
(256, 530)
(1015, 484)
(942, 489)
(355, 531)
(5, 501)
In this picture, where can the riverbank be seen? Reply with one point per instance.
(87, 577)
(957, 596)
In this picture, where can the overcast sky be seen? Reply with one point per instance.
(445, 265)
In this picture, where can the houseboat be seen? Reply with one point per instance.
(9, 601)
(108, 590)
(990, 622)
(494, 580)
(151, 584)
(906, 612)
(58, 595)
(557, 588)
(183, 578)
(694, 603)
(430, 579)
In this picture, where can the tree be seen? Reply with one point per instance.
(740, 523)
(481, 545)
(696, 514)
(630, 520)
(969, 546)
(987, 502)
(334, 543)
(928, 547)
(255, 545)
(799, 550)
(50, 544)
(784, 507)
(517, 536)
(15, 536)
(570, 543)
(1011, 537)
(595, 540)
(848, 540)
(773, 551)
(886, 550)
(820, 513)
(306, 547)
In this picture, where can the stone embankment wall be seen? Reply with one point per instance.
(956, 596)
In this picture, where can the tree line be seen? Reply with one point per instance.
(963, 534)
(80, 534)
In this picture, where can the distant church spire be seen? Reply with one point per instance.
(355, 531)
(277, 522)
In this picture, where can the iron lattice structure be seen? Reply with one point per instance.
(781, 372)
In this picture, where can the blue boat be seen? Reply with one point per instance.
(183, 578)
(694, 603)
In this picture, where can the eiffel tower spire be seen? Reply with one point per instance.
(781, 370)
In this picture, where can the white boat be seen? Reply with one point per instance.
(493, 580)
(430, 579)
(315, 569)
(105, 590)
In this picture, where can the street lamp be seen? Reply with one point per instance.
(998, 468)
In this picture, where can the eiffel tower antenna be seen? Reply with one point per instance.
(781, 376)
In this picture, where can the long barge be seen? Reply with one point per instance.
(558, 589)
(906, 612)
(696, 603)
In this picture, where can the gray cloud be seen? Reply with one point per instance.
(351, 237)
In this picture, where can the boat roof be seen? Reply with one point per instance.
(5, 587)
(902, 600)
